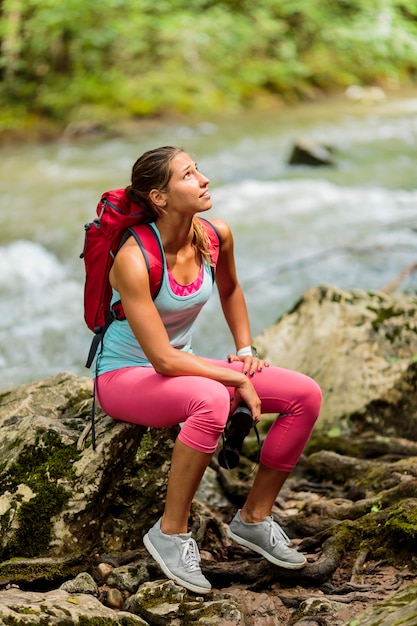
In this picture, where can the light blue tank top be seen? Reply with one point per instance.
(178, 313)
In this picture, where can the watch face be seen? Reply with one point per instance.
(254, 351)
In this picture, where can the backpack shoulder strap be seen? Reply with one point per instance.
(149, 243)
(153, 254)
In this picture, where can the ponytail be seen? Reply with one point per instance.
(200, 240)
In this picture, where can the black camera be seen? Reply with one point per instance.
(237, 428)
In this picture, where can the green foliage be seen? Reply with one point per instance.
(140, 57)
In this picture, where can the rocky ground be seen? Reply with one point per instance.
(72, 518)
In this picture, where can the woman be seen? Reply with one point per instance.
(152, 351)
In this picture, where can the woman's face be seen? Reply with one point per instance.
(188, 188)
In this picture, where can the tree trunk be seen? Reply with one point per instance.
(11, 15)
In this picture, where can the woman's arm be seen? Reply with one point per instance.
(230, 292)
(130, 277)
(233, 301)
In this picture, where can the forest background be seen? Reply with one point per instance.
(63, 62)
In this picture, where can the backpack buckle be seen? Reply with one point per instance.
(117, 311)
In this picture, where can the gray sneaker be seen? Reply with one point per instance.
(178, 557)
(266, 538)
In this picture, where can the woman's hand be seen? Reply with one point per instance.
(251, 364)
(245, 392)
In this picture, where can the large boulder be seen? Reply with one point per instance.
(58, 499)
(361, 348)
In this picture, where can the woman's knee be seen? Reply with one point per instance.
(207, 417)
(313, 396)
(210, 407)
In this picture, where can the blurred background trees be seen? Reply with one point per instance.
(113, 59)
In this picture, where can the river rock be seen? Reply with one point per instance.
(60, 609)
(361, 348)
(164, 602)
(308, 151)
(83, 583)
(129, 577)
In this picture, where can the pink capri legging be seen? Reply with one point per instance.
(141, 396)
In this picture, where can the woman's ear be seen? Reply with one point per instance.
(158, 198)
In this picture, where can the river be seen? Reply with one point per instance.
(352, 225)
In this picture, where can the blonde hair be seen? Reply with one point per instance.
(201, 241)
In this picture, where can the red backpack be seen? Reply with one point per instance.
(118, 218)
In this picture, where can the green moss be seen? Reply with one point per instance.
(402, 521)
(41, 467)
(347, 537)
(383, 314)
(341, 444)
(106, 621)
(146, 446)
(389, 534)
(95, 621)
(125, 620)
(14, 621)
(18, 570)
(34, 532)
(48, 455)
(5, 520)
(392, 331)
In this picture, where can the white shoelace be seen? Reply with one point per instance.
(276, 534)
(190, 555)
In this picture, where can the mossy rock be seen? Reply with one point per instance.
(59, 498)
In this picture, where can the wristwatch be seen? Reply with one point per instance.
(248, 351)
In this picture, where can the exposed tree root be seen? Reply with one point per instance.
(351, 509)
(396, 282)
